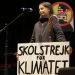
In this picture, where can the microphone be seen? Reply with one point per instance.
(27, 9)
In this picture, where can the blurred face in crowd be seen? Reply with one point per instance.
(44, 11)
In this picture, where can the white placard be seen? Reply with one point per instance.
(42, 58)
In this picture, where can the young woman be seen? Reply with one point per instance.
(47, 29)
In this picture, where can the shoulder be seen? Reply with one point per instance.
(37, 23)
(54, 18)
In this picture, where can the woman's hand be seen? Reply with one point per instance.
(17, 56)
(69, 49)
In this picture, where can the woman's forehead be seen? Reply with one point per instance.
(42, 6)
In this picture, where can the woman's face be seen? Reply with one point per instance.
(44, 11)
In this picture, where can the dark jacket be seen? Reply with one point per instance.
(44, 32)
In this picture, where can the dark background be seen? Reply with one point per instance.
(20, 31)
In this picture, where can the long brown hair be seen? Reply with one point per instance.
(51, 17)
